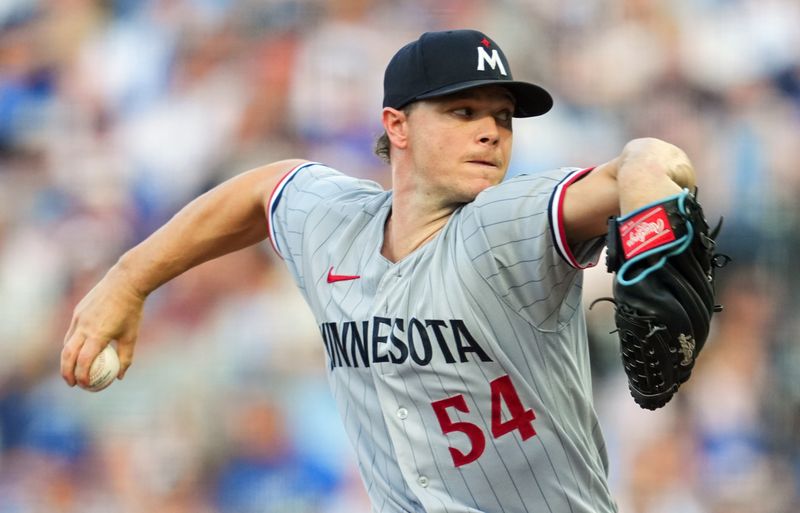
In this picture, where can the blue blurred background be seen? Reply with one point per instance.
(115, 113)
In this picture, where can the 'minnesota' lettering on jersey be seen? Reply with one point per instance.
(386, 340)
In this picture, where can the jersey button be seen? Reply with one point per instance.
(402, 413)
(423, 481)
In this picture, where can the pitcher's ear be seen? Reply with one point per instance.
(395, 123)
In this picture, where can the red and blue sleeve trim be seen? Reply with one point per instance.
(274, 199)
(555, 214)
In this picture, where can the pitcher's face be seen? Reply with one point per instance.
(461, 143)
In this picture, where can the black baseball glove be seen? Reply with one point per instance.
(663, 256)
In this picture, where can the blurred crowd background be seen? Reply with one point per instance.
(114, 113)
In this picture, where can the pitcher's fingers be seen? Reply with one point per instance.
(125, 347)
(89, 351)
(69, 356)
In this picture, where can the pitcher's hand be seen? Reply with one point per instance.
(110, 311)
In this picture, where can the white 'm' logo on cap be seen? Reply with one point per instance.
(493, 60)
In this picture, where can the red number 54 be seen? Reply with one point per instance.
(502, 391)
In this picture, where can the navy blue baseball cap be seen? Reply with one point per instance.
(441, 63)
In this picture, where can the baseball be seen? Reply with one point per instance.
(104, 369)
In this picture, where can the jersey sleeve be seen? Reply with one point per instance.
(295, 205)
(514, 235)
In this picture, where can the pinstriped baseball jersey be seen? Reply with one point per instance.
(462, 371)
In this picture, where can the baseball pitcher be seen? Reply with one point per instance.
(450, 306)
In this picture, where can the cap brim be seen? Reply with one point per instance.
(531, 100)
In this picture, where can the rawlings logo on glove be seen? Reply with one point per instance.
(646, 231)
